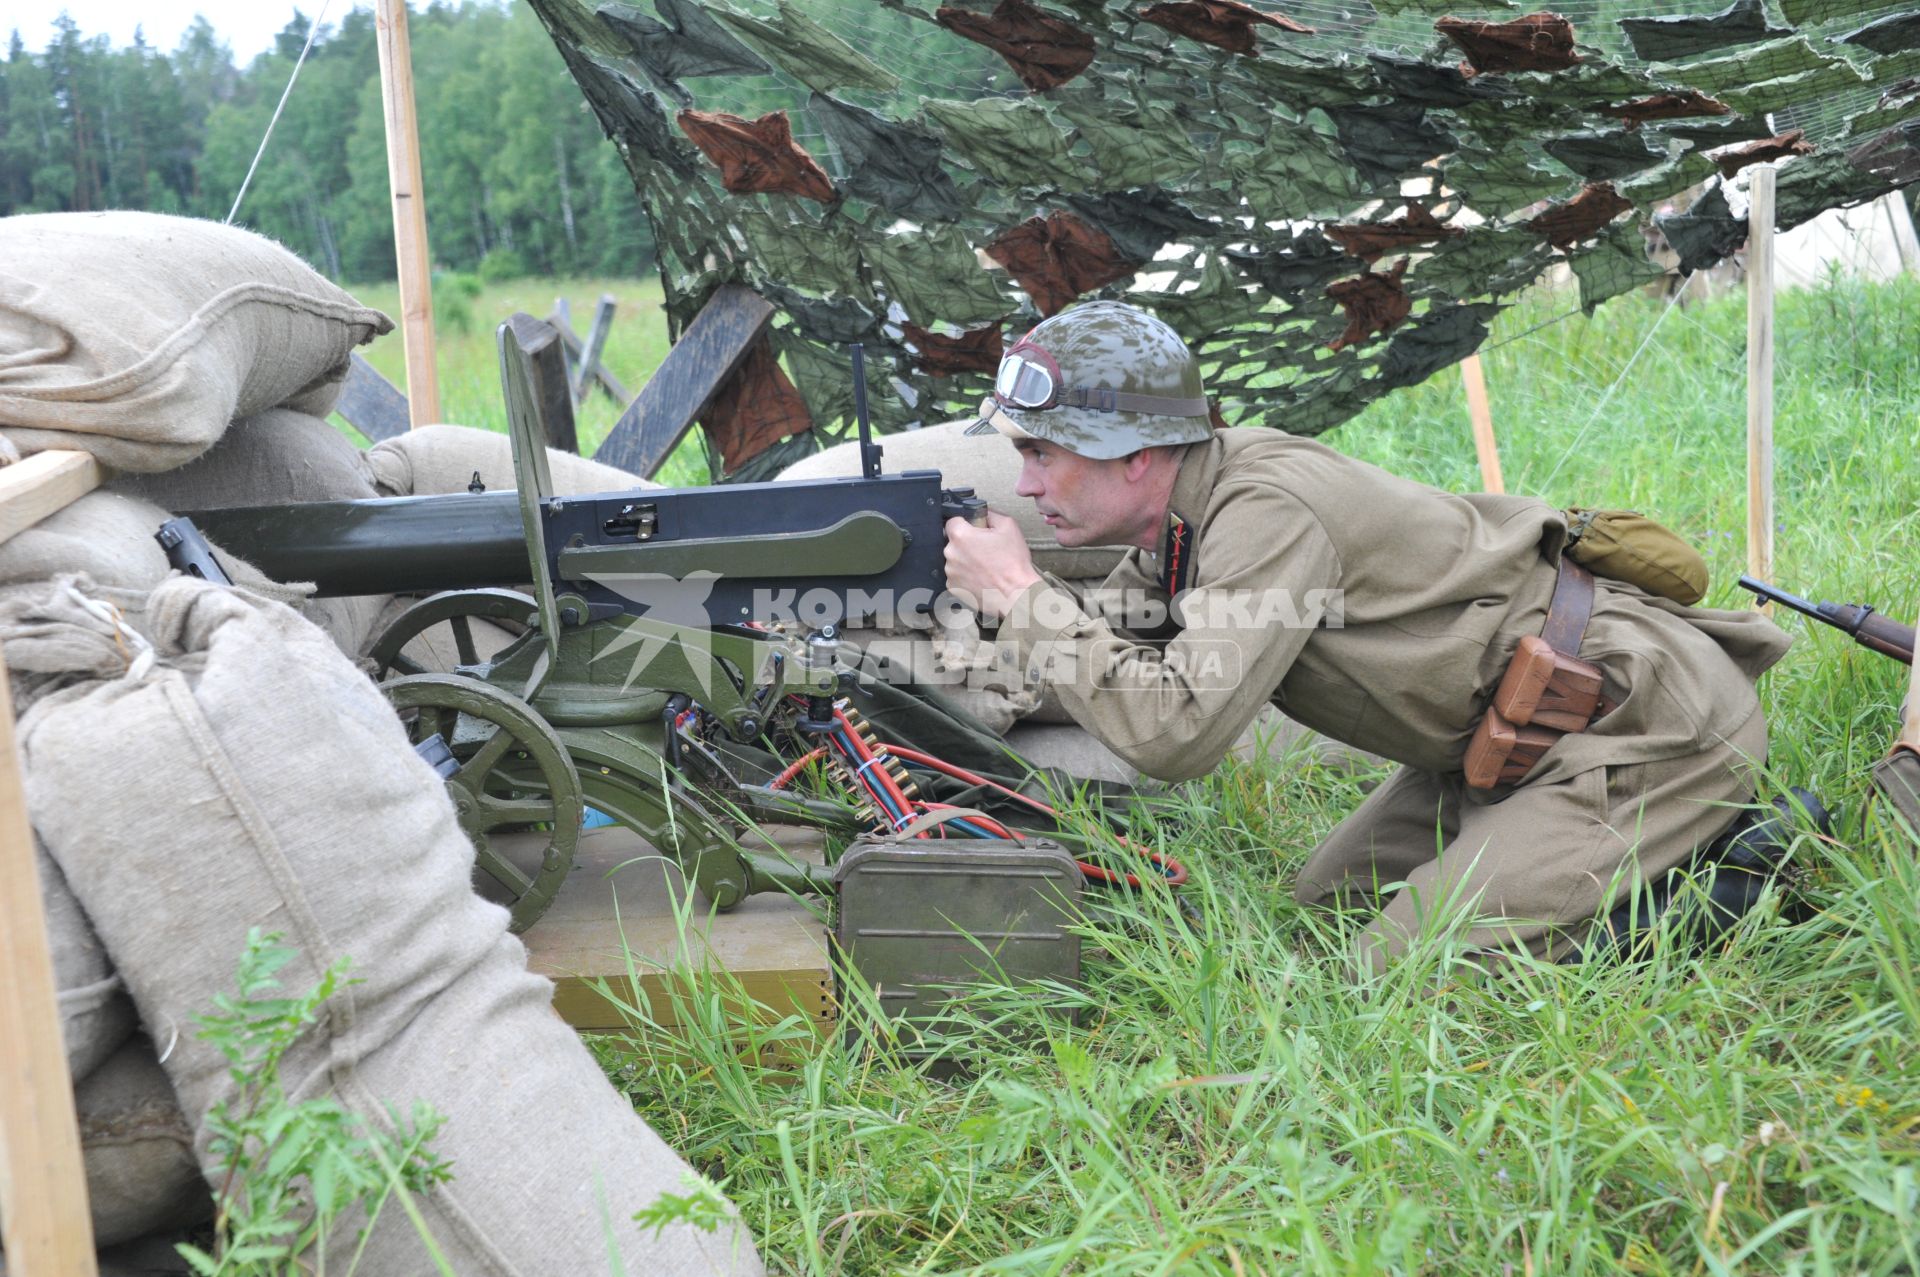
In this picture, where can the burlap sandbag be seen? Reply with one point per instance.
(137, 1149)
(261, 781)
(95, 1013)
(990, 467)
(445, 459)
(138, 337)
(277, 457)
(107, 537)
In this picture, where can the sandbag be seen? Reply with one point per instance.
(276, 457)
(107, 537)
(990, 467)
(137, 1149)
(445, 458)
(261, 781)
(95, 1014)
(138, 337)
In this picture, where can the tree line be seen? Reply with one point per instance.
(518, 176)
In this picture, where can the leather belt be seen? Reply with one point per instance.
(1569, 609)
(1546, 692)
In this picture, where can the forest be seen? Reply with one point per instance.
(520, 180)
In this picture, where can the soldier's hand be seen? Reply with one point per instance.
(988, 567)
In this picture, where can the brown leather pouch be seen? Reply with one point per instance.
(1545, 688)
(1502, 752)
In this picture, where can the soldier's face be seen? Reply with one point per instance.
(1085, 502)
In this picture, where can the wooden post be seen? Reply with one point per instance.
(1900, 218)
(409, 210)
(43, 1187)
(596, 342)
(1481, 412)
(1760, 371)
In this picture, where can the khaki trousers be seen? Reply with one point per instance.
(1534, 865)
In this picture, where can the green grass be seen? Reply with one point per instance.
(1229, 1101)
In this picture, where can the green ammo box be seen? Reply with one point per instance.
(920, 915)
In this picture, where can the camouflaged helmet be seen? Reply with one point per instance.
(1102, 380)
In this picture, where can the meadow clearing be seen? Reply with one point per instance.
(1230, 1102)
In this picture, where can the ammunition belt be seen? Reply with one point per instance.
(1547, 691)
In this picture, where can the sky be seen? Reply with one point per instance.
(248, 26)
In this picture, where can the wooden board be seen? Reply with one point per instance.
(371, 404)
(409, 209)
(686, 381)
(32, 489)
(623, 899)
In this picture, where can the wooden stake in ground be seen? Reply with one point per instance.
(43, 1189)
(1760, 372)
(409, 210)
(1481, 413)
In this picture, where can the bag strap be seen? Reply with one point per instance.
(929, 819)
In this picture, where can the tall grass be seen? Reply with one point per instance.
(1229, 1100)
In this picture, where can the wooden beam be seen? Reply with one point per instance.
(43, 1186)
(686, 381)
(371, 404)
(615, 388)
(1900, 218)
(32, 489)
(409, 209)
(596, 342)
(551, 392)
(1481, 413)
(1760, 371)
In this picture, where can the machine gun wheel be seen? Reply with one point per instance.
(513, 773)
(457, 610)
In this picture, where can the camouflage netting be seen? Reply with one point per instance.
(1328, 201)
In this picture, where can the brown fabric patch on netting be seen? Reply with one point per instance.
(1044, 52)
(1374, 304)
(1058, 257)
(977, 350)
(1369, 240)
(1792, 142)
(756, 408)
(1666, 106)
(1224, 24)
(1537, 42)
(1565, 225)
(757, 157)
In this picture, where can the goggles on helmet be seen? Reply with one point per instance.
(1029, 378)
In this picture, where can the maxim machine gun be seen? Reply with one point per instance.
(680, 664)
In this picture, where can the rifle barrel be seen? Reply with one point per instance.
(1774, 595)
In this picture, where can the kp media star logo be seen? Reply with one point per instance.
(677, 622)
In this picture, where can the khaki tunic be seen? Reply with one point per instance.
(1434, 592)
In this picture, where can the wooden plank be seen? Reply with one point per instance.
(596, 342)
(1905, 242)
(552, 392)
(1910, 729)
(371, 404)
(409, 209)
(1760, 371)
(1480, 411)
(615, 388)
(48, 1230)
(32, 489)
(686, 381)
(625, 898)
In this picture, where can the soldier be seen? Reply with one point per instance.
(1375, 610)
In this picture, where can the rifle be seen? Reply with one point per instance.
(1869, 628)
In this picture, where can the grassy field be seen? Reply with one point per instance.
(1231, 1102)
